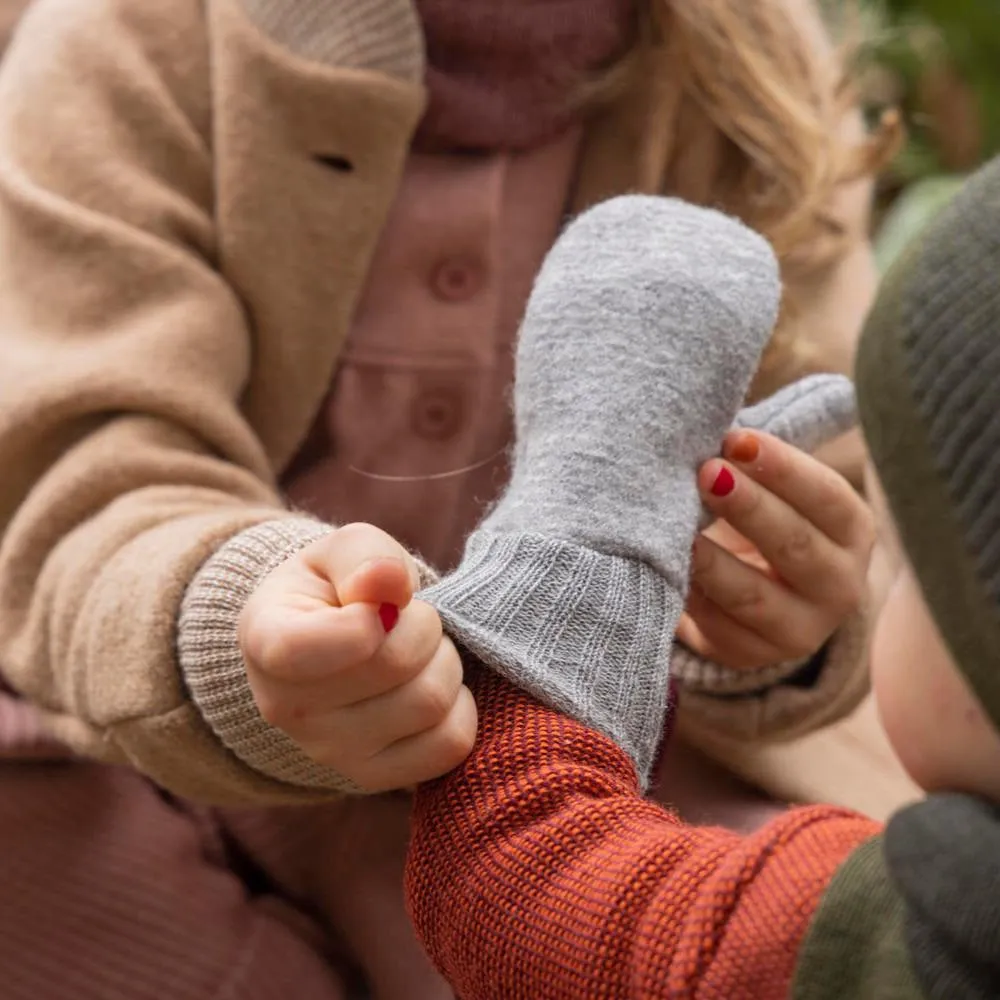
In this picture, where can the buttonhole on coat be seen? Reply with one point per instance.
(339, 163)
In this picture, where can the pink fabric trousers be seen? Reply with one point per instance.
(112, 890)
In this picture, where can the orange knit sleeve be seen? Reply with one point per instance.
(537, 870)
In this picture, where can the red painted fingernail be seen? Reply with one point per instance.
(745, 448)
(389, 615)
(724, 483)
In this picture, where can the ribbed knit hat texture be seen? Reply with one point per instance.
(928, 380)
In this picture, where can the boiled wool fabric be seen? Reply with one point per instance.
(639, 341)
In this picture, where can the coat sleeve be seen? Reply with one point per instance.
(128, 459)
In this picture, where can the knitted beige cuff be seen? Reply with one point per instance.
(210, 658)
(383, 36)
(724, 705)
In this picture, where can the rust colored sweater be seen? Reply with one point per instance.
(538, 871)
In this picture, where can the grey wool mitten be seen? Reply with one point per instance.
(806, 413)
(641, 335)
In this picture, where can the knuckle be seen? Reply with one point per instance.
(398, 664)
(865, 532)
(748, 501)
(358, 534)
(802, 648)
(427, 626)
(273, 709)
(846, 590)
(264, 643)
(361, 539)
(797, 547)
(849, 596)
(355, 531)
(703, 561)
(794, 649)
(434, 699)
(402, 661)
(803, 640)
(747, 600)
(780, 462)
(853, 521)
(456, 740)
(359, 642)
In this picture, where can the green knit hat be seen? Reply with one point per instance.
(928, 377)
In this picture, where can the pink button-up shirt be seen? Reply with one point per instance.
(413, 436)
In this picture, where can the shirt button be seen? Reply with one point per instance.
(437, 414)
(458, 278)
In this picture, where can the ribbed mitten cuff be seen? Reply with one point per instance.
(587, 633)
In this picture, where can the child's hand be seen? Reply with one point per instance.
(341, 659)
(785, 564)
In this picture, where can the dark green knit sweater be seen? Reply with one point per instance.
(913, 914)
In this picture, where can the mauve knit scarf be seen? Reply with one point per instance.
(502, 74)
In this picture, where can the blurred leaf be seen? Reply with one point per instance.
(916, 160)
(912, 210)
(938, 63)
(970, 32)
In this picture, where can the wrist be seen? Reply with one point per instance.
(211, 661)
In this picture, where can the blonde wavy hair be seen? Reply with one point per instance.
(780, 97)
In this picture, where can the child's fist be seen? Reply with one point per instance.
(341, 659)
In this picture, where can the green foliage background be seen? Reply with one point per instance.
(938, 61)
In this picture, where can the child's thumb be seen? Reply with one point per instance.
(365, 565)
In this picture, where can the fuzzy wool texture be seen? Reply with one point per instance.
(638, 344)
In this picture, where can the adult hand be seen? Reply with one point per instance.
(786, 562)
